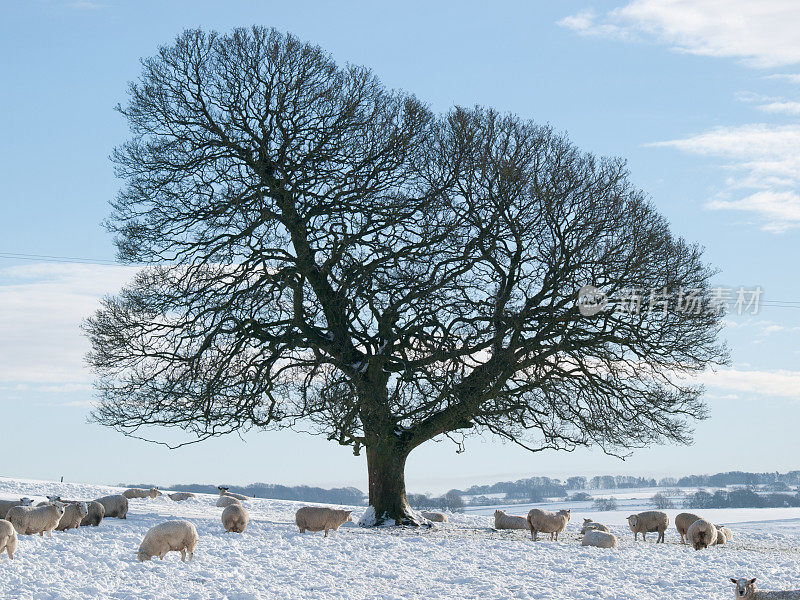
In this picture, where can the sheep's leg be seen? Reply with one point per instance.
(183, 554)
(644, 536)
(326, 532)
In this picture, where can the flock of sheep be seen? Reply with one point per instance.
(692, 528)
(20, 517)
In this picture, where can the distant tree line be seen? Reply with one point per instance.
(740, 498)
(302, 493)
(452, 501)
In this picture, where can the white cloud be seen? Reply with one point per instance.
(762, 33)
(780, 383)
(41, 308)
(785, 107)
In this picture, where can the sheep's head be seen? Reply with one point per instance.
(586, 521)
(154, 493)
(83, 509)
(54, 498)
(497, 513)
(222, 489)
(632, 520)
(60, 508)
(701, 541)
(143, 556)
(565, 513)
(349, 515)
(25, 501)
(745, 588)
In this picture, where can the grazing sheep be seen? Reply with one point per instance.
(223, 501)
(746, 589)
(141, 493)
(5, 505)
(547, 522)
(682, 523)
(701, 534)
(8, 539)
(504, 521)
(599, 539)
(96, 512)
(235, 518)
(179, 536)
(319, 518)
(649, 521)
(74, 513)
(28, 520)
(115, 506)
(728, 533)
(589, 525)
(721, 539)
(435, 516)
(223, 491)
(181, 496)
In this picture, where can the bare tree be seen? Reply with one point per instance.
(323, 251)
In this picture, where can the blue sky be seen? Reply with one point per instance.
(701, 97)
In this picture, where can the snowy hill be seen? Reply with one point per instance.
(462, 559)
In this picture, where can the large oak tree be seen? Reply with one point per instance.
(323, 252)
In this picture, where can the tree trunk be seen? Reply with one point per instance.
(386, 463)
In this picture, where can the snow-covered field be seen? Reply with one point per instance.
(462, 559)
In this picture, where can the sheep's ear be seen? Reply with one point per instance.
(734, 580)
(753, 580)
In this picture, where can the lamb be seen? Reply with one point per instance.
(223, 491)
(95, 514)
(504, 521)
(227, 501)
(547, 522)
(728, 533)
(235, 518)
(649, 521)
(435, 516)
(28, 520)
(721, 537)
(589, 525)
(180, 536)
(74, 513)
(8, 539)
(141, 493)
(746, 589)
(599, 539)
(115, 506)
(682, 523)
(319, 518)
(701, 534)
(181, 496)
(5, 505)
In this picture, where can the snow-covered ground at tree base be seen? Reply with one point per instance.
(462, 559)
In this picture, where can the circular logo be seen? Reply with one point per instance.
(590, 300)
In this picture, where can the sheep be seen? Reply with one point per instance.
(8, 539)
(28, 520)
(599, 539)
(435, 516)
(547, 522)
(648, 521)
(141, 493)
(721, 537)
(224, 501)
(682, 523)
(504, 521)
(701, 534)
(96, 512)
(180, 536)
(181, 496)
(746, 589)
(115, 506)
(728, 533)
(223, 491)
(235, 518)
(74, 513)
(5, 505)
(589, 525)
(319, 518)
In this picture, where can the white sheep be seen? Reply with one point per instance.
(115, 505)
(28, 520)
(721, 537)
(504, 521)
(74, 513)
(223, 491)
(319, 518)
(235, 518)
(179, 536)
(224, 501)
(8, 538)
(181, 496)
(746, 589)
(96, 512)
(435, 516)
(5, 505)
(649, 521)
(682, 523)
(728, 533)
(141, 493)
(701, 534)
(599, 539)
(543, 521)
(589, 525)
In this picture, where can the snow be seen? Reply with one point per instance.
(463, 559)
